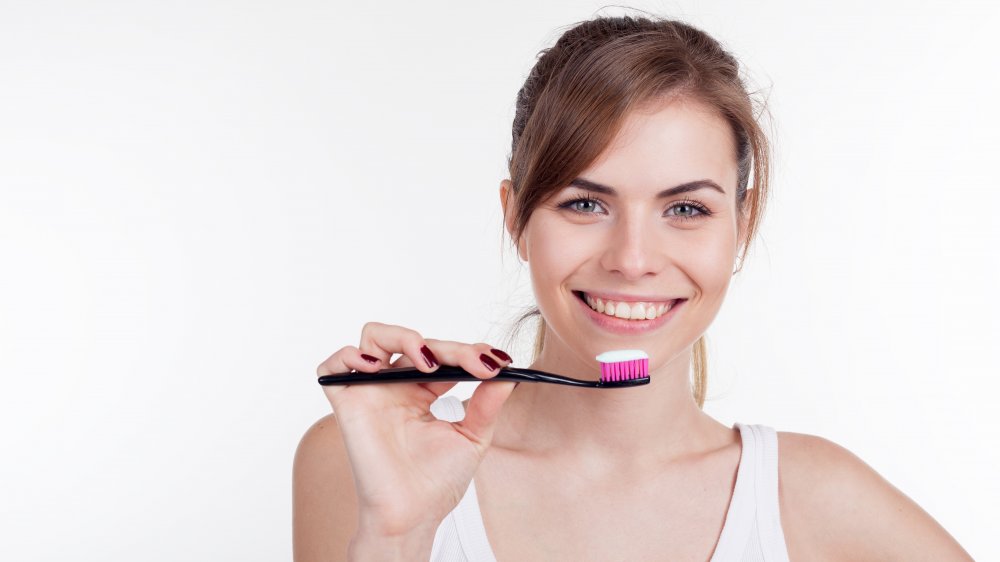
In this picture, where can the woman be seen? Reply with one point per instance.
(638, 176)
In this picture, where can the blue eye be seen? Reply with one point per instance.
(702, 211)
(570, 204)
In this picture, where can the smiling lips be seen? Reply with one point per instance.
(628, 310)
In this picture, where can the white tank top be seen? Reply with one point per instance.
(752, 531)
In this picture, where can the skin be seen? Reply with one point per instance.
(632, 244)
(561, 464)
(635, 244)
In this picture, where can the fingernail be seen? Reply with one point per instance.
(489, 362)
(500, 354)
(369, 358)
(429, 357)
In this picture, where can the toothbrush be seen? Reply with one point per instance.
(620, 368)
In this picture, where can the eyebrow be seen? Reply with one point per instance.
(669, 192)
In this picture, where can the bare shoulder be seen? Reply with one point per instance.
(324, 502)
(834, 506)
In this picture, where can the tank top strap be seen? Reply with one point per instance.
(753, 524)
(768, 503)
(739, 523)
(471, 529)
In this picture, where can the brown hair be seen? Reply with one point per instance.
(580, 90)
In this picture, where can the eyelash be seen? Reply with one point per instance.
(694, 204)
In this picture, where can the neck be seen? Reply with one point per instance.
(608, 429)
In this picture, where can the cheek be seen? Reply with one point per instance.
(709, 261)
(555, 253)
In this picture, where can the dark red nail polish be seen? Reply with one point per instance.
(369, 358)
(489, 362)
(500, 354)
(429, 357)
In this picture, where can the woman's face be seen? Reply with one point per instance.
(636, 248)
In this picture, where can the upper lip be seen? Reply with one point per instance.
(622, 297)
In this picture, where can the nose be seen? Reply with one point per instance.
(634, 248)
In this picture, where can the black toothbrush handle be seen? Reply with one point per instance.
(450, 373)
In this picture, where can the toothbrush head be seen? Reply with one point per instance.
(624, 367)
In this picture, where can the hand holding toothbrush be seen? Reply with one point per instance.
(411, 469)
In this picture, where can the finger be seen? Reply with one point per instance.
(476, 358)
(346, 359)
(382, 340)
(402, 361)
(484, 408)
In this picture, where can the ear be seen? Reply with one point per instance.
(506, 192)
(743, 223)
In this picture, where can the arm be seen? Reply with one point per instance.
(838, 507)
(325, 507)
(324, 502)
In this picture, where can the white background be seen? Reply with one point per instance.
(202, 200)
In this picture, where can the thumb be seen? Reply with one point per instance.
(484, 408)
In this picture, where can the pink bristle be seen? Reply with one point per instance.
(624, 370)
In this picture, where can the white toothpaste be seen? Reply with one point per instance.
(620, 355)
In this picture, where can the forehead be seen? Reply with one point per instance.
(669, 141)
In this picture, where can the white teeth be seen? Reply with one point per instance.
(635, 311)
(638, 312)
